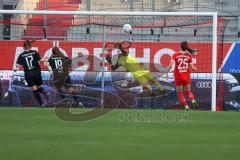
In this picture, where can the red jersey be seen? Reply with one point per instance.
(182, 61)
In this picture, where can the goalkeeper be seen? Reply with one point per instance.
(143, 76)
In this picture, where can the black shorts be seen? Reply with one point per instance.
(34, 78)
(64, 81)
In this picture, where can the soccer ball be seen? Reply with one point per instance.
(127, 28)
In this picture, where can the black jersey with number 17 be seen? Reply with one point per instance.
(29, 60)
(60, 65)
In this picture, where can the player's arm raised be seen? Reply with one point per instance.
(169, 68)
(193, 67)
(109, 60)
(193, 51)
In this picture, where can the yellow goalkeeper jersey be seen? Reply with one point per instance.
(133, 66)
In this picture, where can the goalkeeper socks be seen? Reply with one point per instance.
(182, 99)
(38, 97)
(190, 95)
(148, 88)
(159, 86)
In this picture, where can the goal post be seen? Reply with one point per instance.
(214, 61)
(157, 25)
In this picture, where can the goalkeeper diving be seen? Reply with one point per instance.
(143, 77)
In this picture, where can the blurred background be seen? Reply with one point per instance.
(228, 10)
(78, 33)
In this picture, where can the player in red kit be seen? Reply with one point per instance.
(182, 71)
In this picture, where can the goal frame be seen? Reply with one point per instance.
(214, 16)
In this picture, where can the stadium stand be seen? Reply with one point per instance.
(227, 10)
(36, 23)
(22, 18)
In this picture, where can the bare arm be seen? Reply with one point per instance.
(193, 51)
(16, 67)
(44, 59)
(193, 67)
(48, 66)
(169, 68)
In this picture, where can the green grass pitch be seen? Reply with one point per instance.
(36, 134)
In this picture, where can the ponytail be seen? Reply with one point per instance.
(184, 46)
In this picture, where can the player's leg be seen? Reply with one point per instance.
(59, 83)
(150, 77)
(60, 91)
(74, 95)
(148, 88)
(187, 89)
(70, 90)
(190, 95)
(179, 87)
(37, 95)
(144, 82)
(39, 83)
(31, 83)
(40, 89)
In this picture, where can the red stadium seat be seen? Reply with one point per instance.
(57, 25)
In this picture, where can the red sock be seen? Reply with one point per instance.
(182, 98)
(190, 95)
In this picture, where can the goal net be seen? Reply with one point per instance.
(84, 37)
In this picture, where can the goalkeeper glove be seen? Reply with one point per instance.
(109, 59)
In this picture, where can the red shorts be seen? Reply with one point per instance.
(181, 80)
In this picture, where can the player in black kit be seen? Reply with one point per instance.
(60, 66)
(30, 60)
